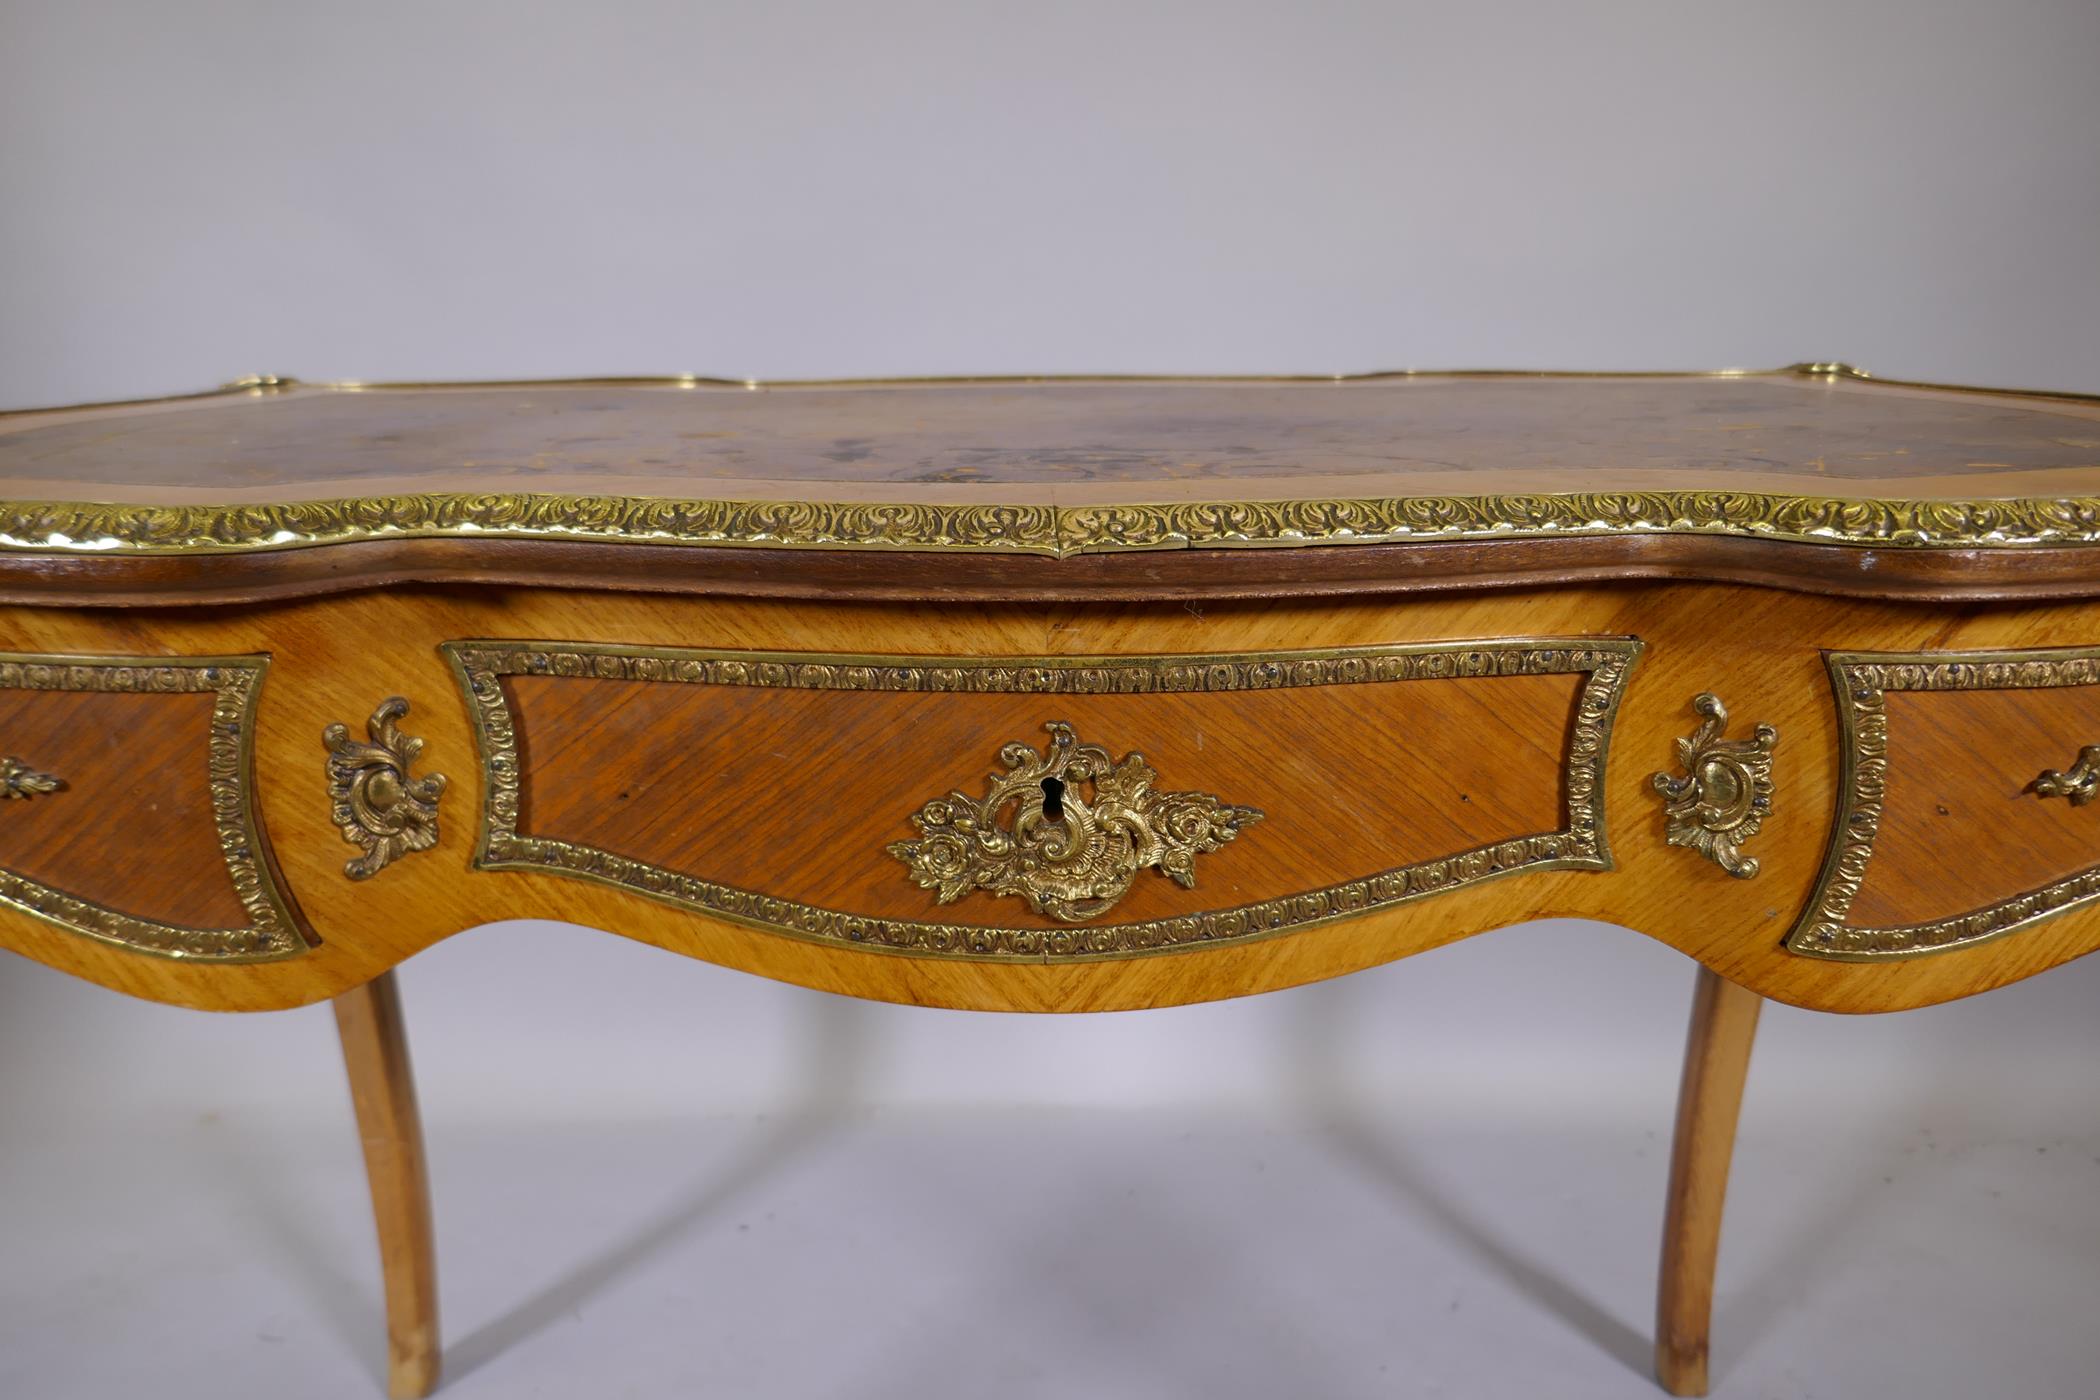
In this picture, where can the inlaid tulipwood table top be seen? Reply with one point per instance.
(1055, 695)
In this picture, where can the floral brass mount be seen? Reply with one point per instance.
(19, 780)
(2080, 783)
(374, 801)
(1726, 792)
(1070, 856)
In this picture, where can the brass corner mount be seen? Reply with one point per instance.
(1726, 792)
(375, 802)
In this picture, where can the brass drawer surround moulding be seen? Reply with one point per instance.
(274, 930)
(1862, 681)
(1581, 844)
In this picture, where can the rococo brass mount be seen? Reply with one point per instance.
(2081, 783)
(19, 780)
(1726, 792)
(1069, 855)
(375, 802)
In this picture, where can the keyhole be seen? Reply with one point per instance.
(1053, 799)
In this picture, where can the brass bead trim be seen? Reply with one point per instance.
(1581, 844)
(1862, 680)
(273, 930)
(266, 385)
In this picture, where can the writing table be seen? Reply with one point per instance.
(1055, 695)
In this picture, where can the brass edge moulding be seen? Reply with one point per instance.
(1581, 844)
(46, 527)
(274, 930)
(1726, 792)
(373, 800)
(1068, 854)
(1054, 531)
(1861, 681)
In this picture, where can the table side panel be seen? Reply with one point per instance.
(333, 660)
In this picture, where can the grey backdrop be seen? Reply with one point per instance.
(194, 191)
(1437, 1178)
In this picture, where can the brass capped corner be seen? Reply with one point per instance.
(2080, 782)
(1828, 369)
(1070, 854)
(1726, 792)
(18, 780)
(374, 801)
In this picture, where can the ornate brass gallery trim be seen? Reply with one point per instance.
(217, 529)
(1053, 531)
(1862, 680)
(1580, 845)
(273, 930)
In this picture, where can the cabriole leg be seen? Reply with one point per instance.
(1716, 1060)
(383, 1089)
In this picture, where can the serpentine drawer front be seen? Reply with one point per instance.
(1948, 830)
(1055, 696)
(161, 747)
(1064, 807)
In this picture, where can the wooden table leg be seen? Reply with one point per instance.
(1716, 1061)
(383, 1089)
